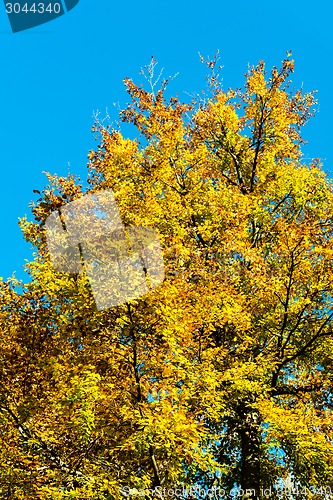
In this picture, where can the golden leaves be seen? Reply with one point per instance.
(162, 390)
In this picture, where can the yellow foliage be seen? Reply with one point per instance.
(222, 374)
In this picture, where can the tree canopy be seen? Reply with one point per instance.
(220, 377)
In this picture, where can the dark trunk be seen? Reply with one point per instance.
(250, 456)
(247, 427)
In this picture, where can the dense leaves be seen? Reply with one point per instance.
(222, 375)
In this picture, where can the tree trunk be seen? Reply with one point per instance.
(250, 438)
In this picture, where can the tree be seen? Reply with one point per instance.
(221, 376)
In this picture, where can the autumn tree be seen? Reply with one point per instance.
(222, 375)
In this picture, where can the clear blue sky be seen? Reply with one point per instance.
(55, 76)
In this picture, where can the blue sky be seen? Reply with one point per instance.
(54, 77)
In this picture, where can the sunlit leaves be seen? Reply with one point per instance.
(222, 374)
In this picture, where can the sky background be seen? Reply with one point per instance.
(56, 76)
